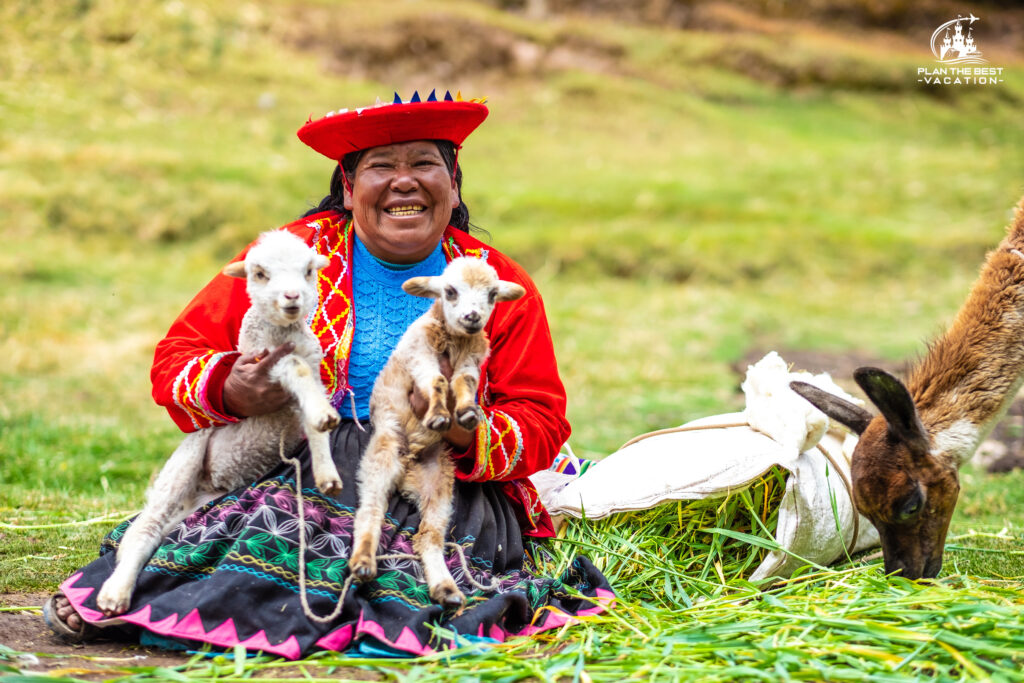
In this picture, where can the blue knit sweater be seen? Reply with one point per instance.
(383, 312)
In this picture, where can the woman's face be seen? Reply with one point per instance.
(401, 200)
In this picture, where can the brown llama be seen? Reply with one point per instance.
(906, 463)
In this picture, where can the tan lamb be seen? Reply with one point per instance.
(407, 453)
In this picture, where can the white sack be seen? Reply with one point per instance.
(689, 465)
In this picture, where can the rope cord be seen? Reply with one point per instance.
(494, 585)
(849, 492)
(730, 425)
(694, 428)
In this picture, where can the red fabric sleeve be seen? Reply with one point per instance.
(194, 359)
(522, 396)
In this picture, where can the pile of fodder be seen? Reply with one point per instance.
(678, 553)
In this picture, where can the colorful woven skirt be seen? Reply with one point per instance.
(229, 574)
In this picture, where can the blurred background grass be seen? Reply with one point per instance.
(686, 181)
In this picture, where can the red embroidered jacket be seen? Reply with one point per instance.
(520, 391)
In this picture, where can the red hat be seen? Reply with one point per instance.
(339, 133)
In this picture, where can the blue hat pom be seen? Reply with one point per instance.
(432, 97)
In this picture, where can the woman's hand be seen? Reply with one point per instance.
(456, 435)
(249, 390)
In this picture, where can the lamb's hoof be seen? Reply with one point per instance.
(330, 486)
(447, 594)
(468, 418)
(327, 420)
(114, 599)
(363, 566)
(438, 422)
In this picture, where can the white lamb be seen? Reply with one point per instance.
(281, 272)
(408, 453)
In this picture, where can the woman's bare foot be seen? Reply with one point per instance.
(67, 614)
(65, 622)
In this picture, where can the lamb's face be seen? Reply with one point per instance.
(281, 272)
(467, 306)
(468, 289)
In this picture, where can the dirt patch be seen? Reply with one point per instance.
(439, 48)
(894, 15)
(839, 365)
(27, 632)
(48, 655)
(1004, 449)
(1001, 452)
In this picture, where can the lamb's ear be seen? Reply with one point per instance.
(839, 409)
(235, 269)
(424, 286)
(320, 261)
(895, 404)
(510, 291)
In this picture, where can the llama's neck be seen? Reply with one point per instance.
(970, 375)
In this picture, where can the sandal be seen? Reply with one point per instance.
(61, 629)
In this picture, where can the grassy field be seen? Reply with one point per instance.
(680, 197)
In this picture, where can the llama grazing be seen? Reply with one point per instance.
(905, 466)
(408, 453)
(281, 272)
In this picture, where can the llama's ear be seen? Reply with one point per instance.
(895, 404)
(839, 409)
(424, 286)
(235, 269)
(510, 291)
(320, 261)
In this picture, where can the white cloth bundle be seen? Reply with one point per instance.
(777, 428)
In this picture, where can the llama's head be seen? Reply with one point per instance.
(280, 272)
(467, 290)
(902, 481)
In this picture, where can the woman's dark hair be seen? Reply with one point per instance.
(336, 199)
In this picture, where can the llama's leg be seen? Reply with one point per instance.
(318, 418)
(168, 501)
(431, 481)
(380, 470)
(467, 412)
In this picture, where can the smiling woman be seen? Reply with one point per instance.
(229, 574)
(401, 199)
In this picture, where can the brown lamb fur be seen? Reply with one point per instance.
(456, 346)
